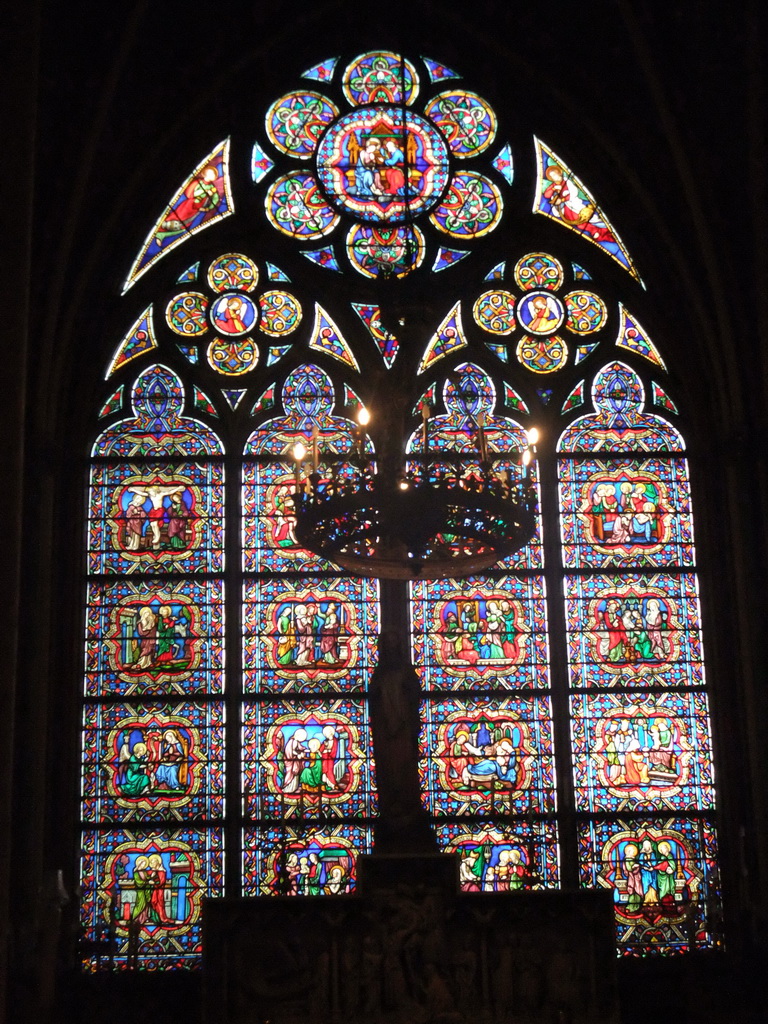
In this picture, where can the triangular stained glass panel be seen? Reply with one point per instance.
(261, 165)
(496, 273)
(322, 72)
(351, 398)
(326, 337)
(583, 351)
(204, 198)
(203, 402)
(265, 401)
(325, 257)
(113, 404)
(428, 398)
(575, 398)
(447, 258)
(276, 353)
(439, 72)
(386, 343)
(189, 352)
(504, 165)
(580, 274)
(633, 338)
(190, 274)
(234, 396)
(276, 274)
(513, 401)
(563, 197)
(662, 399)
(140, 339)
(500, 351)
(448, 338)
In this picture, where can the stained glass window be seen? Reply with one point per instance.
(565, 734)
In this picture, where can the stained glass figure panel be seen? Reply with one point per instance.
(664, 879)
(156, 517)
(157, 426)
(303, 861)
(625, 512)
(153, 882)
(307, 760)
(148, 637)
(503, 856)
(487, 756)
(149, 761)
(641, 752)
(314, 636)
(634, 630)
(480, 633)
(269, 544)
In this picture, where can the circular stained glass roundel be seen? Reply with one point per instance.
(540, 313)
(542, 355)
(538, 270)
(233, 313)
(186, 314)
(280, 313)
(465, 119)
(377, 249)
(296, 207)
(233, 270)
(380, 77)
(586, 312)
(383, 164)
(494, 311)
(296, 121)
(472, 206)
(233, 358)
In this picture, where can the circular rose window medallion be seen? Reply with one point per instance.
(382, 164)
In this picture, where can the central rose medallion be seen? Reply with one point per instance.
(382, 163)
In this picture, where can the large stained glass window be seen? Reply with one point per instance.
(564, 726)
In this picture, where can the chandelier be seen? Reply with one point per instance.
(413, 514)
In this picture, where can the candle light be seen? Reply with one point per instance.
(299, 453)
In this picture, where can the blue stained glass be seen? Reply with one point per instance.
(504, 164)
(303, 861)
(234, 397)
(189, 352)
(583, 351)
(147, 637)
(496, 273)
(325, 257)
(276, 353)
(261, 164)
(634, 630)
(139, 339)
(500, 351)
(480, 634)
(439, 72)
(641, 752)
(580, 274)
(322, 72)
(276, 274)
(503, 856)
(156, 879)
(545, 394)
(487, 756)
(448, 258)
(190, 274)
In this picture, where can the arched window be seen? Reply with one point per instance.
(367, 243)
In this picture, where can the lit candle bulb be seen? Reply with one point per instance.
(363, 418)
(527, 457)
(299, 453)
(533, 435)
